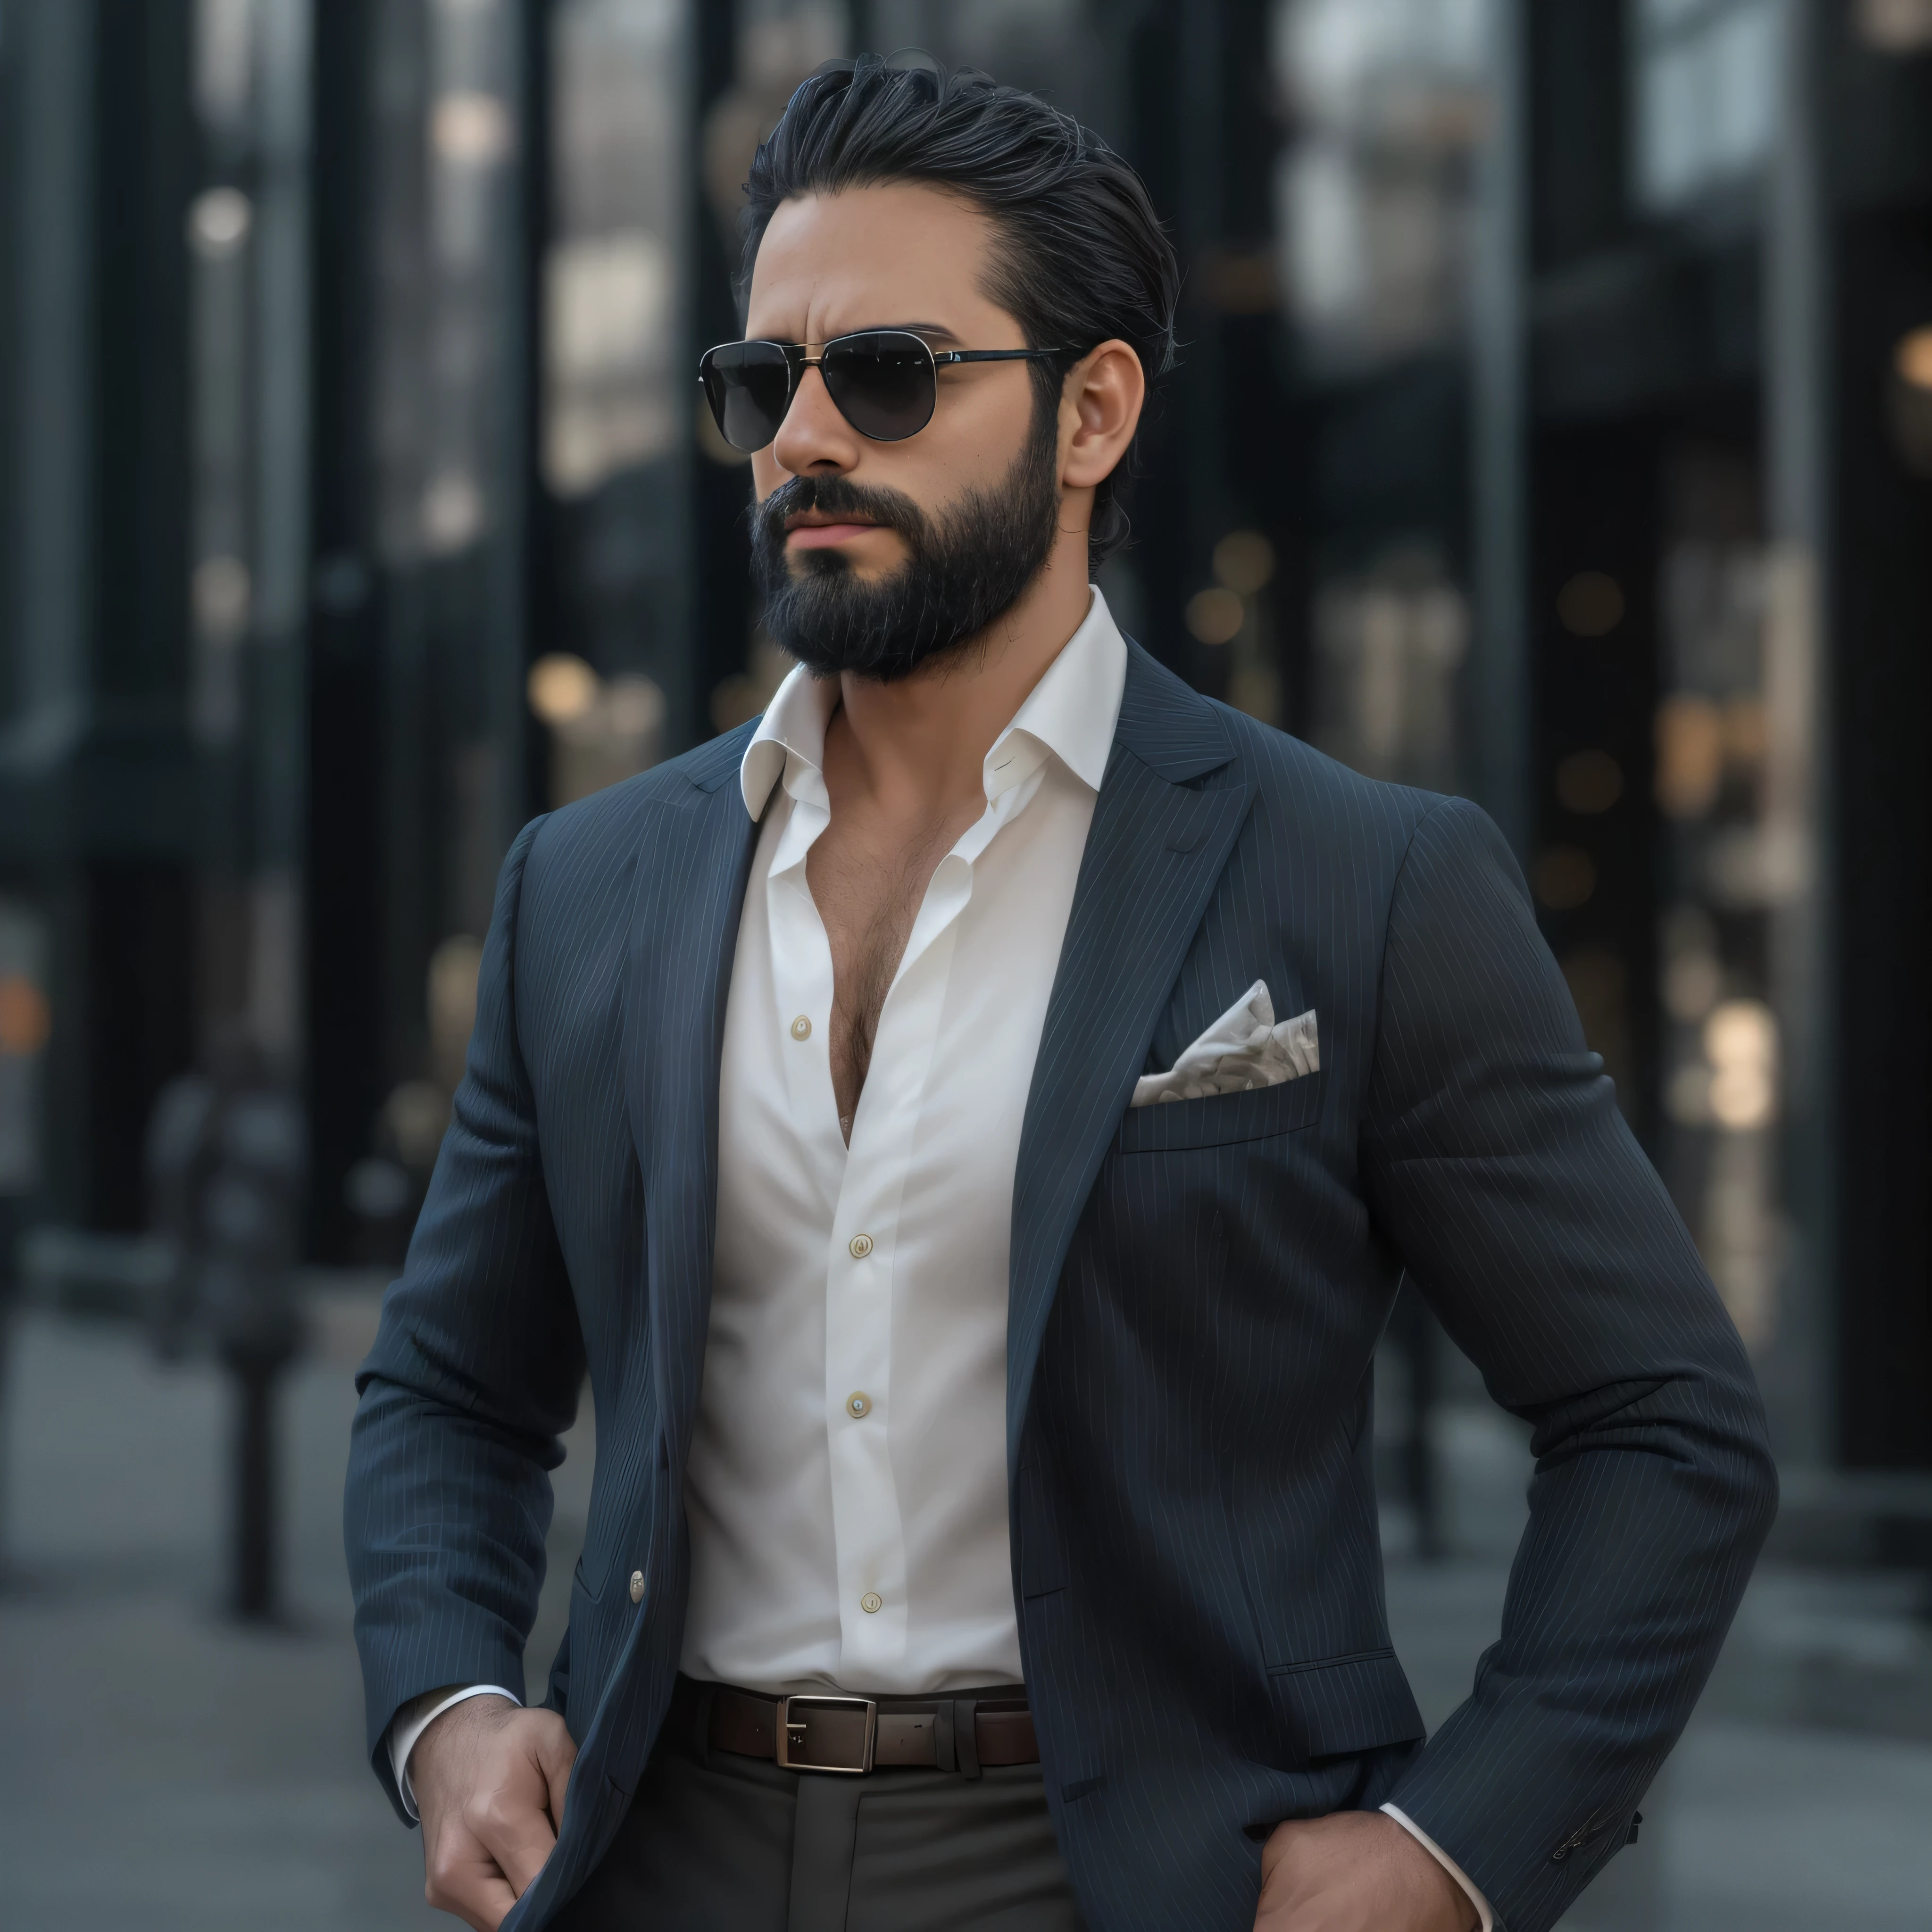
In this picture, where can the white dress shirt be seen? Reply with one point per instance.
(846, 1487)
(846, 1490)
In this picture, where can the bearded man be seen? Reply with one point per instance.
(970, 1124)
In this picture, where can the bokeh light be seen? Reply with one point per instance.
(562, 687)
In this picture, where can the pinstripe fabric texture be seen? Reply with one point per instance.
(1197, 1289)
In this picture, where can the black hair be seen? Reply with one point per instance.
(1084, 258)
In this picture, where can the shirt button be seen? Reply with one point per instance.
(801, 1028)
(637, 1586)
(871, 1603)
(861, 1246)
(859, 1403)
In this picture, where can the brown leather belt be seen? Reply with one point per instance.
(857, 1735)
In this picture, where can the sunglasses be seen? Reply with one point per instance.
(884, 382)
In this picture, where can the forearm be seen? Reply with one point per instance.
(446, 1522)
(1643, 1528)
(474, 1376)
(1650, 1499)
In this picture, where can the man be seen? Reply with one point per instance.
(972, 1123)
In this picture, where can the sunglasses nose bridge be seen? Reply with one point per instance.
(803, 370)
(820, 422)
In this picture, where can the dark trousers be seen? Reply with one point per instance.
(718, 1842)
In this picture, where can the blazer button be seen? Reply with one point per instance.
(637, 1586)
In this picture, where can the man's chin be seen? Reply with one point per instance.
(803, 566)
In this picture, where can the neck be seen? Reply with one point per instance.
(918, 745)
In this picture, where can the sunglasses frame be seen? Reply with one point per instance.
(797, 362)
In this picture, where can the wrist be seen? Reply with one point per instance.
(1451, 1909)
(439, 1712)
(1474, 1913)
(486, 1711)
(1368, 1865)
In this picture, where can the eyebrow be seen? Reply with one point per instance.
(931, 333)
(929, 329)
(926, 329)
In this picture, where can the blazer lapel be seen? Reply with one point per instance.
(684, 931)
(1156, 847)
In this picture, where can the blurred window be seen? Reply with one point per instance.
(614, 393)
(448, 247)
(616, 439)
(1705, 93)
(1387, 100)
(448, 252)
(1388, 645)
(245, 231)
(1731, 738)
(224, 58)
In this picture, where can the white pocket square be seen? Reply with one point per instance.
(1244, 1049)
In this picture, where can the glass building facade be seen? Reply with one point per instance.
(1554, 426)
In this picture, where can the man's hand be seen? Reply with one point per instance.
(489, 1781)
(1356, 1871)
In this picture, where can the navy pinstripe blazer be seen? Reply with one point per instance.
(1197, 1289)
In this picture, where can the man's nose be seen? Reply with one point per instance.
(814, 439)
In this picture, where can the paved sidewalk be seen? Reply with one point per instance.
(161, 1768)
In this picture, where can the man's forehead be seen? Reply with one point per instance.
(902, 257)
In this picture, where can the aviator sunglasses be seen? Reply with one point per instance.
(884, 382)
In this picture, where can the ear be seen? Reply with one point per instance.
(1099, 410)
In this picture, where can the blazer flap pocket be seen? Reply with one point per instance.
(1348, 1704)
(588, 1577)
(1219, 1120)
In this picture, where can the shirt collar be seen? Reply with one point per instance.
(1073, 709)
(794, 725)
(1072, 713)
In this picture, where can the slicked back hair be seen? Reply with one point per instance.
(1080, 256)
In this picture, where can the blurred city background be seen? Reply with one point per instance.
(1555, 426)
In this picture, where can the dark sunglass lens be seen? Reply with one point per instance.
(882, 381)
(748, 386)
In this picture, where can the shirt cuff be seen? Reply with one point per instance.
(1447, 1863)
(416, 1717)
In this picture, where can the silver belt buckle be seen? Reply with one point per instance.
(791, 1731)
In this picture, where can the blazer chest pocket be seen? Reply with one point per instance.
(1221, 1120)
(1344, 1705)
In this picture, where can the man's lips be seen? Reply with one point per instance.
(817, 535)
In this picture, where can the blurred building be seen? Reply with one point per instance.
(1555, 426)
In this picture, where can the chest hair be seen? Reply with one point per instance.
(868, 901)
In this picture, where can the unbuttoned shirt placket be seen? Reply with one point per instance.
(863, 1185)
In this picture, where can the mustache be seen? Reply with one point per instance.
(834, 497)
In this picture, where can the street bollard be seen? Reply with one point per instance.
(226, 1159)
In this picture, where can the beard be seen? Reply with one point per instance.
(964, 569)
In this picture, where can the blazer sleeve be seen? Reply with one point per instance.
(474, 1376)
(1500, 1170)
